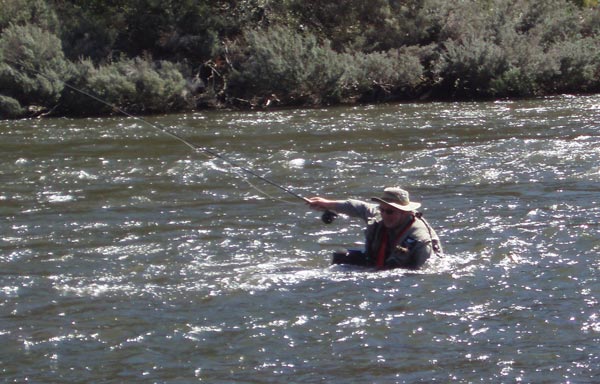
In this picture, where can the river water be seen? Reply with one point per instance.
(127, 257)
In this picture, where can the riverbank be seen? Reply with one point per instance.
(246, 56)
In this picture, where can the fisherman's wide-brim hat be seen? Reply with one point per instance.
(397, 198)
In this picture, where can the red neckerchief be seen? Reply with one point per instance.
(382, 247)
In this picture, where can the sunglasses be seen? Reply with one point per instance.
(388, 211)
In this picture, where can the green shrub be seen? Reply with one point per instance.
(469, 67)
(159, 86)
(32, 65)
(591, 23)
(90, 31)
(290, 65)
(586, 3)
(22, 12)
(314, 52)
(135, 85)
(577, 66)
(517, 49)
(553, 21)
(73, 102)
(525, 62)
(384, 75)
(520, 77)
(364, 26)
(300, 70)
(10, 108)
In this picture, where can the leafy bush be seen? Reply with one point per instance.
(384, 75)
(591, 22)
(10, 108)
(90, 29)
(516, 49)
(300, 70)
(552, 54)
(525, 63)
(552, 21)
(470, 66)
(577, 66)
(160, 86)
(291, 65)
(32, 65)
(136, 85)
(21, 12)
(295, 51)
(181, 29)
(344, 23)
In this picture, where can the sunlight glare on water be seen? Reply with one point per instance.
(127, 257)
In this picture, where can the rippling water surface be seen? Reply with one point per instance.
(127, 257)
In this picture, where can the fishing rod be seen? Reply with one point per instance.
(327, 217)
(188, 143)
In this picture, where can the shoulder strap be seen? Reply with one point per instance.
(435, 243)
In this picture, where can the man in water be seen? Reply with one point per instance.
(397, 236)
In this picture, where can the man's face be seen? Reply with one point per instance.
(392, 217)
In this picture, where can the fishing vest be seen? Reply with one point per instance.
(412, 244)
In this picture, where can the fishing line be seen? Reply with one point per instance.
(327, 217)
(193, 146)
(196, 147)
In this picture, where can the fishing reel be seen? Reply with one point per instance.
(328, 217)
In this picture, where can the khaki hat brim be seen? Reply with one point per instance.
(407, 208)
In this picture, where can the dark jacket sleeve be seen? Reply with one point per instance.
(357, 208)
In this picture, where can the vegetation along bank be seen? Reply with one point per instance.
(150, 56)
